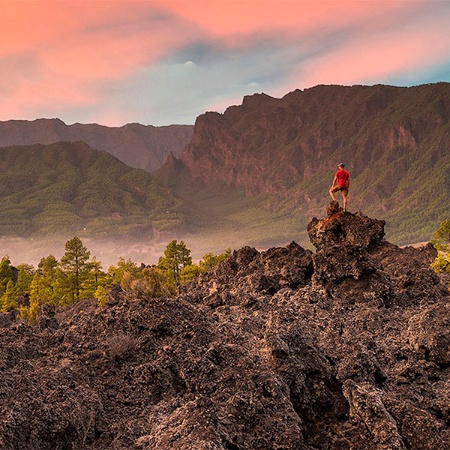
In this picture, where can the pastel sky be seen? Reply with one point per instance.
(161, 62)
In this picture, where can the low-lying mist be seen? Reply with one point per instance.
(107, 252)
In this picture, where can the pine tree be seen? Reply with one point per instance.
(75, 265)
(46, 286)
(441, 237)
(6, 274)
(116, 273)
(93, 279)
(176, 257)
(9, 298)
(24, 278)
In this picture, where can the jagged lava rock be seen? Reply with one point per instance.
(345, 229)
(279, 349)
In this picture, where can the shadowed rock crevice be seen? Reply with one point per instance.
(346, 347)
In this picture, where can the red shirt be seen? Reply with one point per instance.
(342, 177)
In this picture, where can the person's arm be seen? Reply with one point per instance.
(334, 181)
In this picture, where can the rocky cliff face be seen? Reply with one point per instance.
(346, 347)
(139, 146)
(395, 142)
(268, 141)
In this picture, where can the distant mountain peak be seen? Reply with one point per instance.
(140, 146)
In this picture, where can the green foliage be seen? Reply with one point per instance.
(69, 187)
(8, 300)
(135, 282)
(117, 276)
(47, 286)
(75, 265)
(24, 278)
(102, 294)
(152, 283)
(441, 237)
(189, 272)
(76, 277)
(116, 273)
(442, 263)
(6, 274)
(210, 260)
(441, 241)
(176, 257)
(65, 282)
(93, 278)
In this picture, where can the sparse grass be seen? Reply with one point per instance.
(119, 345)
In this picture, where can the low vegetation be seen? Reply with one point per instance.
(441, 241)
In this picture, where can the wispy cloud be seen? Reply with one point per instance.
(167, 61)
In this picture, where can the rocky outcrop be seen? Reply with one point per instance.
(139, 146)
(342, 348)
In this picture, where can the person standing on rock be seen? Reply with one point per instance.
(341, 182)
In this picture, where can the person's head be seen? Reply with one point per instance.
(341, 166)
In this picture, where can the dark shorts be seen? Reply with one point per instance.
(339, 188)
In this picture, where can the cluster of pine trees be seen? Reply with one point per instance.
(76, 277)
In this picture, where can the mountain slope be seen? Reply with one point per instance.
(282, 154)
(139, 146)
(70, 188)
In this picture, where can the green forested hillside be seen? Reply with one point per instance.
(70, 188)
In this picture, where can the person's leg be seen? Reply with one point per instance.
(332, 191)
(344, 193)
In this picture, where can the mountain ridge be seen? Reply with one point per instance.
(257, 173)
(139, 146)
(68, 187)
(283, 152)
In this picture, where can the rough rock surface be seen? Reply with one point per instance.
(344, 348)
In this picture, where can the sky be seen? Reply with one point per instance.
(162, 62)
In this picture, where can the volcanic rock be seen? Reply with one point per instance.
(344, 348)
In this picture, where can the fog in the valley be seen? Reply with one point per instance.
(108, 252)
(31, 251)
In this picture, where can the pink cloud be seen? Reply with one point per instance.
(68, 54)
(61, 51)
(372, 58)
(32, 24)
(231, 20)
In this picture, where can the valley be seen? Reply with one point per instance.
(254, 175)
